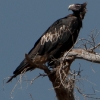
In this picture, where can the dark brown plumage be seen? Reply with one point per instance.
(58, 38)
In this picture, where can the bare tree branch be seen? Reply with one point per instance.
(62, 78)
(85, 54)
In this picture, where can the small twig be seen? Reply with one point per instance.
(31, 81)
(31, 96)
(85, 95)
(95, 47)
(4, 81)
(19, 81)
(55, 87)
(61, 75)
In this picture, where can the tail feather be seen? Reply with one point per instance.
(20, 69)
(22, 65)
(11, 78)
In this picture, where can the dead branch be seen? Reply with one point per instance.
(63, 80)
(62, 83)
(59, 76)
(85, 54)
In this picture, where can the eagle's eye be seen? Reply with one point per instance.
(78, 7)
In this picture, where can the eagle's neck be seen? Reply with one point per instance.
(79, 17)
(79, 14)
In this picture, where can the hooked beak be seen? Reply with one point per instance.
(71, 7)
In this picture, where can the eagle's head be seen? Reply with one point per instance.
(79, 9)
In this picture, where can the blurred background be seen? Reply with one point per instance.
(22, 22)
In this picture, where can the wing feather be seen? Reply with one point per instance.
(58, 38)
(57, 34)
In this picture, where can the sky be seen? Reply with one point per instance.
(22, 22)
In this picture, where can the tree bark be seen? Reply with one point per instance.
(85, 54)
(63, 88)
(64, 92)
(58, 76)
